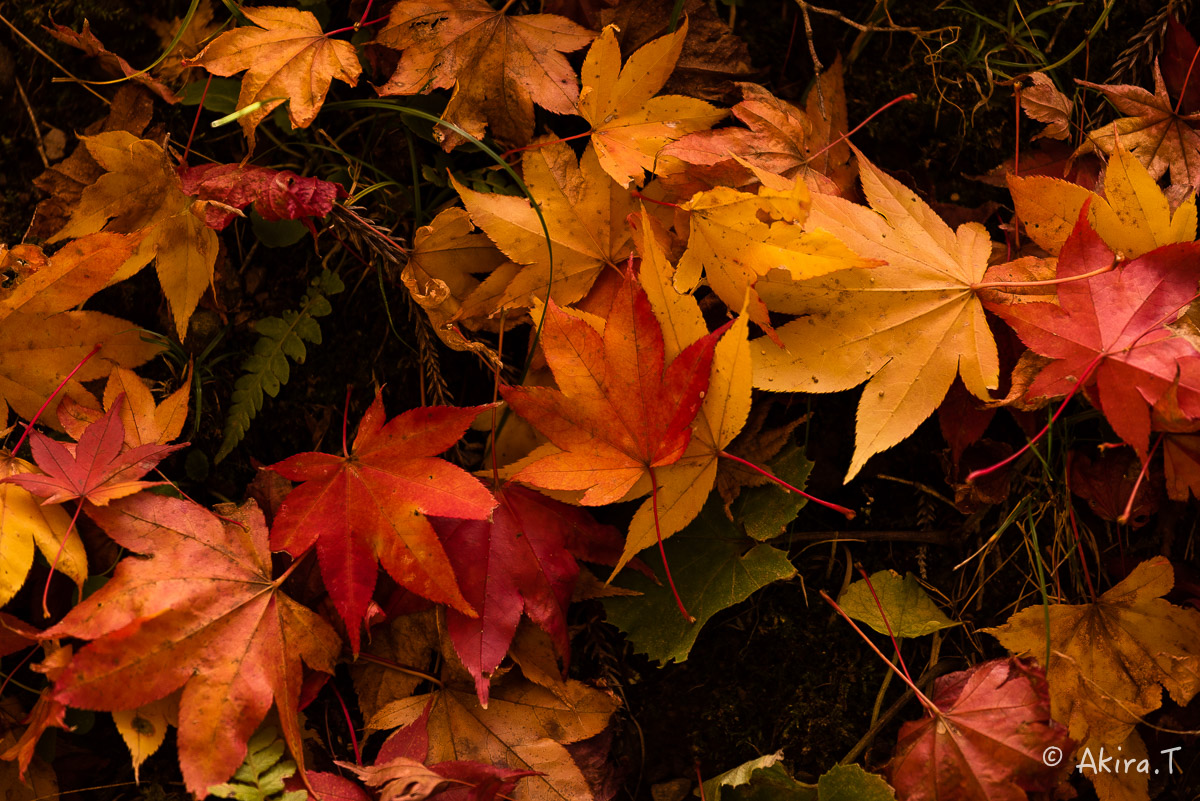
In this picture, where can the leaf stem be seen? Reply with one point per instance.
(29, 427)
(1128, 511)
(1047, 282)
(663, 551)
(62, 543)
(887, 623)
(387, 663)
(874, 114)
(537, 145)
(925, 702)
(199, 108)
(842, 510)
(349, 726)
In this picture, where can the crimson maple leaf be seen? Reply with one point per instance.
(93, 469)
(617, 413)
(1108, 332)
(522, 561)
(276, 194)
(987, 740)
(371, 504)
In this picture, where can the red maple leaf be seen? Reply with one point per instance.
(93, 469)
(276, 194)
(521, 562)
(370, 505)
(987, 741)
(1109, 332)
(617, 413)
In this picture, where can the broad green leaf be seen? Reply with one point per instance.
(714, 565)
(766, 779)
(909, 609)
(766, 511)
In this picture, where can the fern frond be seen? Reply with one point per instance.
(260, 778)
(267, 369)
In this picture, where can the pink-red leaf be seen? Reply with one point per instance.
(521, 562)
(276, 194)
(94, 468)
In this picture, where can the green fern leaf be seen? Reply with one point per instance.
(260, 778)
(268, 368)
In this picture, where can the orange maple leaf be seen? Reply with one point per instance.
(288, 58)
(498, 65)
(202, 613)
(618, 414)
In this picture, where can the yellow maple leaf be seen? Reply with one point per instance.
(1133, 217)
(735, 238)
(1110, 660)
(684, 486)
(144, 421)
(629, 124)
(43, 342)
(907, 327)
(499, 65)
(585, 212)
(140, 193)
(26, 524)
(287, 57)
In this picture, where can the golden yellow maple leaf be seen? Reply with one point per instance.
(140, 193)
(499, 65)
(684, 486)
(736, 238)
(25, 524)
(43, 342)
(907, 327)
(1133, 216)
(585, 212)
(1111, 659)
(287, 58)
(145, 728)
(629, 124)
(144, 421)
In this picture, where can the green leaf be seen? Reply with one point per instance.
(276, 233)
(766, 511)
(267, 369)
(766, 779)
(909, 609)
(260, 778)
(714, 565)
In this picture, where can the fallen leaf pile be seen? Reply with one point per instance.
(659, 286)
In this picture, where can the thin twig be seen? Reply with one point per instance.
(37, 130)
(46, 56)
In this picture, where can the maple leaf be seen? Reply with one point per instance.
(404, 779)
(780, 138)
(617, 414)
(1161, 138)
(683, 487)
(24, 524)
(370, 506)
(907, 327)
(1109, 331)
(521, 562)
(1045, 103)
(94, 469)
(86, 41)
(47, 710)
(1110, 659)
(736, 238)
(141, 192)
(585, 213)
(629, 124)
(986, 741)
(1134, 216)
(204, 614)
(287, 58)
(145, 422)
(43, 342)
(499, 66)
(525, 727)
(276, 194)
